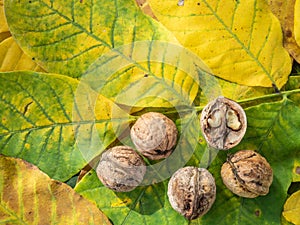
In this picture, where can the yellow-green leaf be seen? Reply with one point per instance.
(236, 92)
(291, 210)
(284, 11)
(159, 74)
(55, 122)
(297, 21)
(4, 32)
(66, 36)
(241, 41)
(28, 196)
(12, 58)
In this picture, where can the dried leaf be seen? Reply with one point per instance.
(297, 21)
(284, 10)
(144, 5)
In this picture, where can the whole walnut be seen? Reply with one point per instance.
(247, 174)
(121, 169)
(154, 135)
(192, 191)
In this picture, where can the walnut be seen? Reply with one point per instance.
(247, 174)
(192, 191)
(121, 168)
(154, 135)
(223, 123)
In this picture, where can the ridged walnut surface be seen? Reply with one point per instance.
(192, 191)
(247, 174)
(121, 169)
(154, 135)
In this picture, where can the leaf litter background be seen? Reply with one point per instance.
(65, 37)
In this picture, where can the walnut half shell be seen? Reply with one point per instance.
(223, 123)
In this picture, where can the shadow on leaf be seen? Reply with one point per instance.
(144, 200)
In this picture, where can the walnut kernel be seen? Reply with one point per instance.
(154, 135)
(192, 191)
(121, 169)
(247, 174)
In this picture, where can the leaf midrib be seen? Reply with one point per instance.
(64, 124)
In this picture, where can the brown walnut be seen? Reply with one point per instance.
(192, 191)
(121, 168)
(247, 174)
(223, 123)
(154, 135)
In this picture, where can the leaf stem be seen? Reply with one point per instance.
(282, 94)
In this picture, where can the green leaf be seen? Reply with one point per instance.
(28, 196)
(55, 122)
(147, 204)
(272, 131)
(241, 41)
(144, 205)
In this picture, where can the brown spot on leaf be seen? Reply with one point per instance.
(297, 170)
(257, 212)
(288, 33)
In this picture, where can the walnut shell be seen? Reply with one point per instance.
(154, 135)
(121, 169)
(223, 123)
(192, 191)
(247, 174)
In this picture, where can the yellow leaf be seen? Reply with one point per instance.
(241, 41)
(291, 209)
(12, 57)
(4, 31)
(297, 21)
(28, 196)
(284, 11)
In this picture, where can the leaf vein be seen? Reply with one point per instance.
(241, 43)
